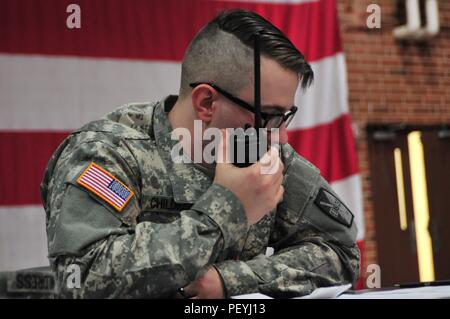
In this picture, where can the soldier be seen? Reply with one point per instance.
(139, 224)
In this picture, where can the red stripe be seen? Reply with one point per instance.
(94, 178)
(101, 189)
(360, 284)
(101, 175)
(330, 147)
(151, 30)
(104, 184)
(105, 178)
(100, 182)
(24, 156)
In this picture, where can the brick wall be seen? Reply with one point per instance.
(391, 82)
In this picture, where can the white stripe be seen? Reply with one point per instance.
(93, 182)
(102, 189)
(23, 241)
(106, 178)
(326, 100)
(93, 176)
(73, 91)
(100, 174)
(350, 191)
(107, 196)
(63, 93)
(99, 180)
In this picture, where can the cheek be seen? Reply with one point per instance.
(221, 118)
(241, 117)
(230, 117)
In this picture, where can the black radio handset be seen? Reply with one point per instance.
(246, 144)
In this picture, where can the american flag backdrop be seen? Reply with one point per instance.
(54, 79)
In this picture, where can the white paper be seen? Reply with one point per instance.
(252, 296)
(431, 292)
(319, 293)
(326, 292)
(269, 251)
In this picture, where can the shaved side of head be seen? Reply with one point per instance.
(219, 57)
(222, 52)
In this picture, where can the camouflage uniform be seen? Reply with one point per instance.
(179, 223)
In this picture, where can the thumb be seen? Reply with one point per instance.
(270, 162)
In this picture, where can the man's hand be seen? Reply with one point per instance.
(209, 286)
(258, 192)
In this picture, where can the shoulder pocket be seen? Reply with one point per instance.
(329, 215)
(82, 221)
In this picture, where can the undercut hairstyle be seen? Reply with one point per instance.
(222, 52)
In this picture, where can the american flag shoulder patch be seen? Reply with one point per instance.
(106, 186)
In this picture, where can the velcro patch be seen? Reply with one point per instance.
(333, 207)
(106, 186)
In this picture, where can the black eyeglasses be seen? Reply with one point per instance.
(269, 120)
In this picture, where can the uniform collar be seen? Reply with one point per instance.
(188, 180)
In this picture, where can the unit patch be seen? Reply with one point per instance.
(333, 207)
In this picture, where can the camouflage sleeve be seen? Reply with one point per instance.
(321, 252)
(118, 258)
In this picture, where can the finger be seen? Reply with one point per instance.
(270, 163)
(280, 194)
(275, 167)
(279, 168)
(178, 296)
(278, 180)
(281, 164)
(280, 161)
(269, 156)
(275, 177)
(190, 290)
(276, 191)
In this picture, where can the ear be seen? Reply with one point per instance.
(203, 97)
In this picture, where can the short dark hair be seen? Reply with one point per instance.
(223, 51)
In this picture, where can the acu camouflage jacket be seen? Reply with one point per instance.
(178, 222)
